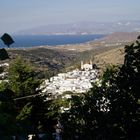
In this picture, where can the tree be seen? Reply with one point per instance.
(124, 104)
(22, 81)
(34, 113)
(22, 78)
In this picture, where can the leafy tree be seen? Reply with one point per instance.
(124, 103)
(34, 113)
(22, 82)
(22, 78)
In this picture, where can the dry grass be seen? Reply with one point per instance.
(114, 56)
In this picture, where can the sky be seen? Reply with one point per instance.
(16, 15)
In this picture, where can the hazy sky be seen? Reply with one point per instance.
(22, 14)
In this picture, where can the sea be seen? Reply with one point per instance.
(25, 41)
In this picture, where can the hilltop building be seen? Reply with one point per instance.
(87, 66)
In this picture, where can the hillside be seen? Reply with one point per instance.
(56, 59)
(113, 56)
(43, 58)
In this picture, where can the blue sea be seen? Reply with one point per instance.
(50, 40)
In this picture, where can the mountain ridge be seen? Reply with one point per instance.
(92, 27)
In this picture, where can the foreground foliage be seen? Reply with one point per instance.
(111, 110)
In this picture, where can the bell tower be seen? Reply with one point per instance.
(91, 63)
(82, 65)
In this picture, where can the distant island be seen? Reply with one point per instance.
(84, 28)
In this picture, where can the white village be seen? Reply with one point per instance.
(76, 81)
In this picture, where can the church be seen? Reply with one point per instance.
(87, 66)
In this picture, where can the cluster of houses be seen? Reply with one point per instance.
(76, 81)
